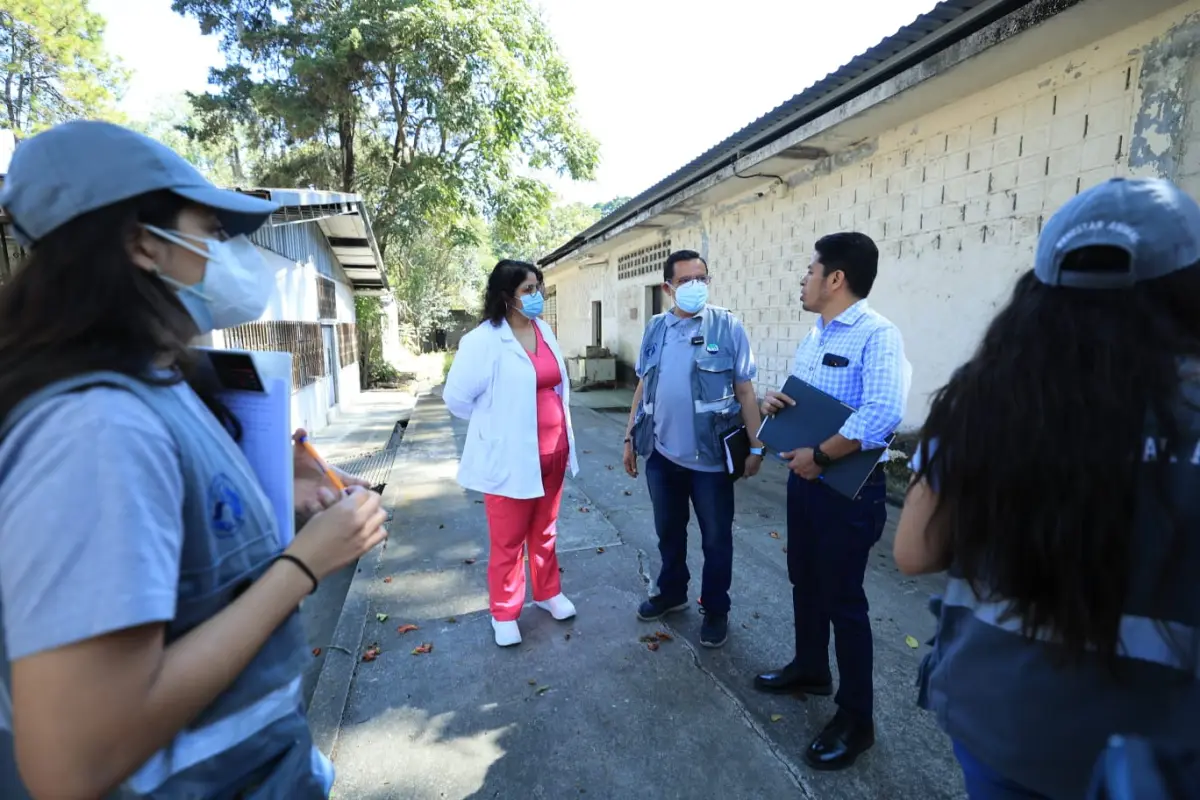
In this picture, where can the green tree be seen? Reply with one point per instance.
(553, 230)
(433, 110)
(55, 65)
(612, 205)
(172, 123)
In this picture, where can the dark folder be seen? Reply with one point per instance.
(737, 450)
(815, 417)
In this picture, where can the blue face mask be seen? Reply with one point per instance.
(692, 297)
(532, 305)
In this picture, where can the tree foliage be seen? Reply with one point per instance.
(436, 111)
(604, 209)
(553, 230)
(55, 65)
(219, 159)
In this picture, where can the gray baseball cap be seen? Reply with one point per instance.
(1151, 219)
(78, 167)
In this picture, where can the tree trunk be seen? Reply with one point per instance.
(346, 142)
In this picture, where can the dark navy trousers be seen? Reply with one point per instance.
(672, 488)
(829, 541)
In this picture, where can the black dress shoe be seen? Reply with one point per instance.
(844, 739)
(789, 680)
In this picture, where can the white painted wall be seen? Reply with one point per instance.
(295, 299)
(954, 199)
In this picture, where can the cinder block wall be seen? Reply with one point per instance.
(955, 199)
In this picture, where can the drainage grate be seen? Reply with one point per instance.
(397, 435)
(374, 466)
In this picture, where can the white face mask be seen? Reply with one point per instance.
(237, 283)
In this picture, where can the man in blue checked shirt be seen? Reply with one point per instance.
(856, 355)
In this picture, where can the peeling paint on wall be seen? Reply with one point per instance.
(1164, 80)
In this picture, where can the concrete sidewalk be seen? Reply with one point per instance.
(585, 708)
(363, 441)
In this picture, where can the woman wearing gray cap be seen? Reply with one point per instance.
(151, 641)
(1057, 483)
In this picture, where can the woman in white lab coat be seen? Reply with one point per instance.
(509, 380)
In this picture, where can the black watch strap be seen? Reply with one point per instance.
(820, 458)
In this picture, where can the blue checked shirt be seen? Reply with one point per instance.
(877, 379)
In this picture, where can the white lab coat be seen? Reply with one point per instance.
(492, 383)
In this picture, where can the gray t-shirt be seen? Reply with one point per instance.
(674, 420)
(91, 533)
(91, 521)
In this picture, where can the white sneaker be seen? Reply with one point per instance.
(507, 633)
(559, 606)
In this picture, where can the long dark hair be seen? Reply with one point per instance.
(1039, 448)
(79, 304)
(507, 276)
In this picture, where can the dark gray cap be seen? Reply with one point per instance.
(1151, 219)
(78, 167)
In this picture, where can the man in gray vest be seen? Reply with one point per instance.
(696, 373)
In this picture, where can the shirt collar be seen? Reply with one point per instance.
(848, 317)
(675, 319)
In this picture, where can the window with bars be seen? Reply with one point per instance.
(645, 261)
(326, 299)
(550, 315)
(347, 336)
(302, 339)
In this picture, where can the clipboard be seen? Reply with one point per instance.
(816, 416)
(256, 385)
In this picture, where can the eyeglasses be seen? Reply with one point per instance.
(705, 279)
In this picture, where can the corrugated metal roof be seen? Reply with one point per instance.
(784, 118)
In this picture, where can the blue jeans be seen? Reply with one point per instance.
(829, 540)
(984, 783)
(711, 494)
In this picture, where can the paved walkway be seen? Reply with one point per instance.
(585, 708)
(361, 441)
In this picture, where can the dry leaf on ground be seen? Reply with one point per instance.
(774, 534)
(371, 653)
(381, 617)
(912, 642)
(776, 717)
(422, 649)
(409, 628)
(316, 651)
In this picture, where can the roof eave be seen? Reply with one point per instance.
(738, 145)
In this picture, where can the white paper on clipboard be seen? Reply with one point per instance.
(267, 434)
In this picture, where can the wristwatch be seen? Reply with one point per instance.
(821, 459)
(756, 451)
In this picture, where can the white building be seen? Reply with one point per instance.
(324, 251)
(949, 143)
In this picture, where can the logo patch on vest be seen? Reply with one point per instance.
(649, 351)
(227, 510)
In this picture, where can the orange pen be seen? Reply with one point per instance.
(312, 451)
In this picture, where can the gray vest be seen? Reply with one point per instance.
(230, 538)
(715, 407)
(1008, 702)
